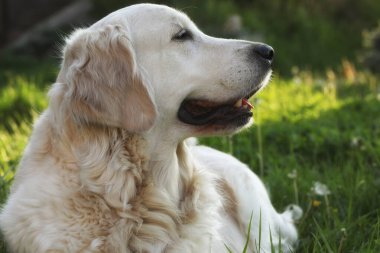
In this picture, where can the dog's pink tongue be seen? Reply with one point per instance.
(247, 103)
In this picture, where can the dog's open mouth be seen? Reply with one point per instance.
(203, 112)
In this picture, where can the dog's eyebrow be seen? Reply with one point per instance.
(177, 26)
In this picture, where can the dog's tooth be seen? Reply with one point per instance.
(247, 104)
(238, 103)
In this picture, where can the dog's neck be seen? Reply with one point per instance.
(110, 159)
(170, 161)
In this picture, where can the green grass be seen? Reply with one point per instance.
(327, 130)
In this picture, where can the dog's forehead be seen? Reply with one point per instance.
(156, 15)
(142, 21)
(154, 11)
(147, 16)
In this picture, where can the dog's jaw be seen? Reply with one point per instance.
(216, 118)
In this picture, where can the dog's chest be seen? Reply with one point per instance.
(154, 223)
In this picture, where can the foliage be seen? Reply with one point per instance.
(371, 57)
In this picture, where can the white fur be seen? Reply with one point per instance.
(107, 168)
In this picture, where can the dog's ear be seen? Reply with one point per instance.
(105, 85)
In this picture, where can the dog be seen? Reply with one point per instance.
(110, 165)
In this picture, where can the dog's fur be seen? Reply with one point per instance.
(108, 169)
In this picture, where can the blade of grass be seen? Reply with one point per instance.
(260, 231)
(248, 234)
(228, 249)
(323, 237)
(272, 249)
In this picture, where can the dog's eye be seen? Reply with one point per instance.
(182, 35)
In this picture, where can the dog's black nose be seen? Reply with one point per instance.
(264, 51)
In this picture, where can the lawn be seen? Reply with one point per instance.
(309, 130)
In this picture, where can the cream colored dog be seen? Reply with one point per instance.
(108, 169)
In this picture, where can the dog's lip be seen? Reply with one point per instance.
(200, 112)
(229, 102)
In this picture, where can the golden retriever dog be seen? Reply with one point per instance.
(109, 166)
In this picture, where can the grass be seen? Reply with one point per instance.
(308, 129)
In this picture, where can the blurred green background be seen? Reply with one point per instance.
(318, 122)
(312, 34)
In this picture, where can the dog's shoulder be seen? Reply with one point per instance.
(217, 160)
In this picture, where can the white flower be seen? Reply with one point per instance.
(295, 212)
(320, 189)
(356, 142)
(293, 174)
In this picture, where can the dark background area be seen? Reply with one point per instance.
(310, 34)
(17, 16)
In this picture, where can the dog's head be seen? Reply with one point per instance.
(149, 67)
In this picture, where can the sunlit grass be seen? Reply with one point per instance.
(19, 99)
(11, 146)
